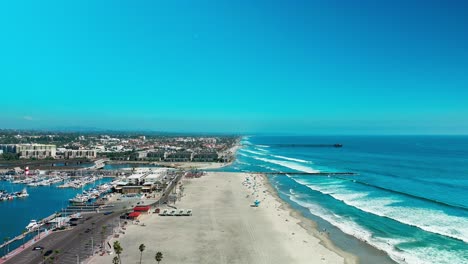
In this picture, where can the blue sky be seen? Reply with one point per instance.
(306, 67)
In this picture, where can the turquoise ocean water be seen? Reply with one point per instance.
(410, 199)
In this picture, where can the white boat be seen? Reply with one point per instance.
(23, 193)
(79, 199)
(32, 225)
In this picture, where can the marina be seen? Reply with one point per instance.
(62, 195)
(5, 196)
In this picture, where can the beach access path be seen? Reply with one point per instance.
(224, 228)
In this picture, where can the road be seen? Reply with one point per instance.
(70, 243)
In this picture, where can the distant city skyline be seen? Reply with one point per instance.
(295, 67)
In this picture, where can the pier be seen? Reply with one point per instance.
(310, 173)
(307, 145)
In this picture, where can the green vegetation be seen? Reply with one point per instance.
(103, 234)
(158, 257)
(118, 250)
(141, 248)
(9, 156)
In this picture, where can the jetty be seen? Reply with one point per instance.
(307, 145)
(322, 173)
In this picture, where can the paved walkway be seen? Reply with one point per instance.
(26, 245)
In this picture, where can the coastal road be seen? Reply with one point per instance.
(72, 243)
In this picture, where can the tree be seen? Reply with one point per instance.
(158, 257)
(118, 249)
(56, 255)
(103, 234)
(115, 260)
(141, 248)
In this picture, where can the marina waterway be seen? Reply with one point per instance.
(42, 202)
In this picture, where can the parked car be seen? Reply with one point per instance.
(37, 248)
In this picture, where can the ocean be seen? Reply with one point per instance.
(409, 199)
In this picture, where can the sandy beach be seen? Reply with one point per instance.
(225, 228)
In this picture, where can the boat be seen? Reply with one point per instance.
(32, 225)
(79, 199)
(22, 194)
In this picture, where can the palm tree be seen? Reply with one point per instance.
(141, 248)
(103, 234)
(56, 255)
(118, 250)
(115, 260)
(158, 257)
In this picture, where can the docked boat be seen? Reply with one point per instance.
(79, 199)
(22, 194)
(32, 225)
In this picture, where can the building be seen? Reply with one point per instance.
(140, 155)
(152, 182)
(78, 154)
(205, 157)
(8, 148)
(180, 156)
(135, 179)
(156, 155)
(36, 151)
(131, 189)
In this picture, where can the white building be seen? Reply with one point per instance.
(37, 151)
(152, 178)
(135, 179)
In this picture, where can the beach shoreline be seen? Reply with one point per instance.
(226, 228)
(309, 225)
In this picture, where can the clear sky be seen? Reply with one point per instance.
(307, 67)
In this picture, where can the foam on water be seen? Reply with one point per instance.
(417, 255)
(291, 159)
(287, 164)
(243, 163)
(430, 220)
(261, 149)
(254, 152)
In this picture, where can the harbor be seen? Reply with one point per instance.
(62, 195)
(6, 196)
(104, 211)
